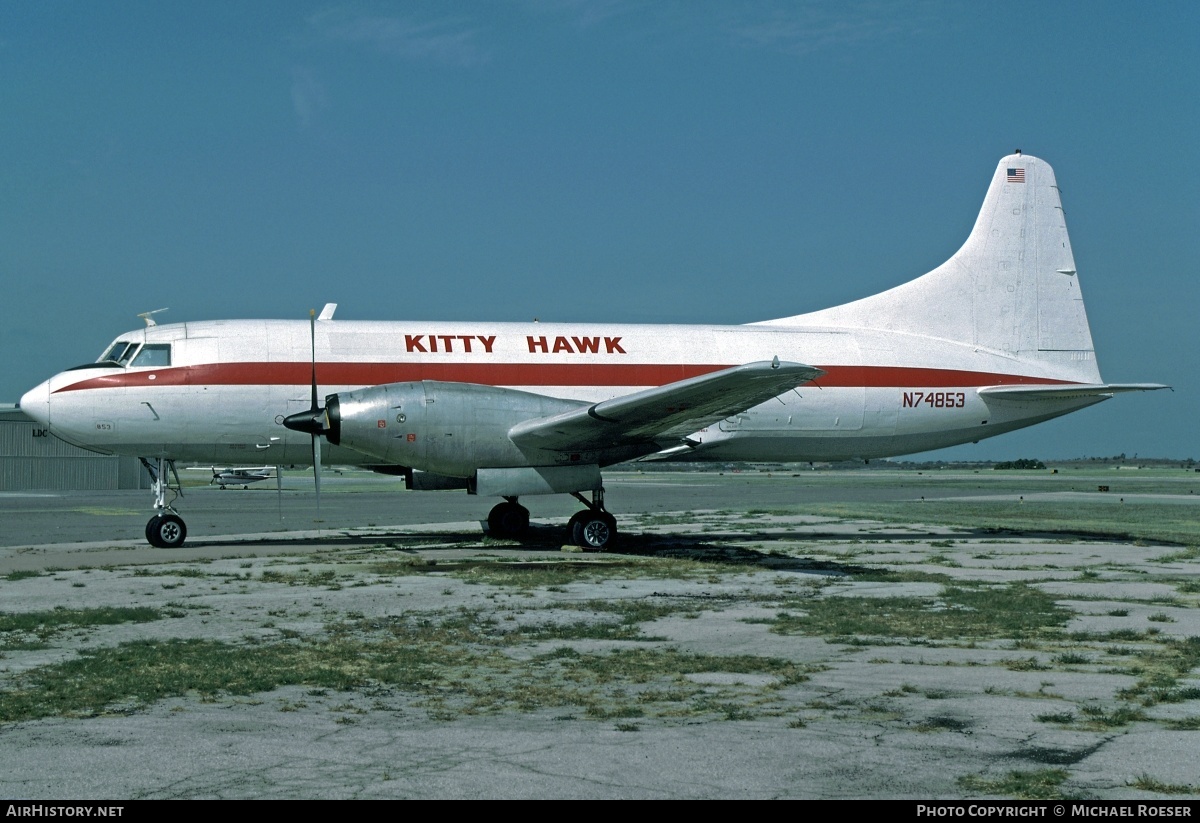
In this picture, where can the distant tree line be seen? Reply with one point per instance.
(1020, 464)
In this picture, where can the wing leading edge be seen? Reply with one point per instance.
(664, 413)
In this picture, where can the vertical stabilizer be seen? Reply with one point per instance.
(1012, 288)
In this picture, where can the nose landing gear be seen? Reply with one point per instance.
(166, 530)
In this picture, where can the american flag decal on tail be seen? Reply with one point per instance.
(1016, 175)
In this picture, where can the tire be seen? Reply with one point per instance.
(594, 531)
(167, 531)
(573, 537)
(152, 530)
(508, 520)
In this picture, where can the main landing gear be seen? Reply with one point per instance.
(166, 530)
(508, 519)
(591, 529)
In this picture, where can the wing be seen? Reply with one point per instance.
(1065, 392)
(665, 413)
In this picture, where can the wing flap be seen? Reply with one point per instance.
(1065, 392)
(664, 413)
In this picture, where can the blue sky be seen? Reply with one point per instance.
(594, 160)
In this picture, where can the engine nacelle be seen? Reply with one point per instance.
(446, 428)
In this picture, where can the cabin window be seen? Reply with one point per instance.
(153, 354)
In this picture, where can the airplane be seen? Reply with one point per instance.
(232, 476)
(994, 339)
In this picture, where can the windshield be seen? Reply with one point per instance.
(120, 353)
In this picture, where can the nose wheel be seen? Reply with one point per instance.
(166, 530)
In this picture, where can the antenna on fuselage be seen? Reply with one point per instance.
(148, 316)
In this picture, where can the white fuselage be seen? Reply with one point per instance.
(230, 384)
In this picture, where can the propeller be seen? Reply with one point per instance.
(314, 420)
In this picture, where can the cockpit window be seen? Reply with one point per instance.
(121, 352)
(153, 354)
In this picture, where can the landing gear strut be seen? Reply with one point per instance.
(166, 530)
(508, 519)
(593, 528)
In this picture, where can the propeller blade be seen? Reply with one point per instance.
(316, 450)
(314, 421)
(312, 337)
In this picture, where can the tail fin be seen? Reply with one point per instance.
(1012, 287)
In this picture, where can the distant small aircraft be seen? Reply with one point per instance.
(994, 339)
(237, 477)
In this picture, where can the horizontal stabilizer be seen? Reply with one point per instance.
(1065, 392)
(664, 413)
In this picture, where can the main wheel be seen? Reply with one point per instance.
(594, 530)
(166, 531)
(508, 520)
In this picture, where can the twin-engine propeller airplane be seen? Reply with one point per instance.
(992, 340)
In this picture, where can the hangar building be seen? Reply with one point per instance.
(32, 458)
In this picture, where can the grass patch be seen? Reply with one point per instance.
(1045, 784)
(1149, 784)
(1063, 718)
(1097, 717)
(1072, 659)
(60, 618)
(961, 612)
(1159, 669)
(1190, 553)
(303, 577)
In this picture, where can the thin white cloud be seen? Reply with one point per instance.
(450, 41)
(802, 28)
(789, 26)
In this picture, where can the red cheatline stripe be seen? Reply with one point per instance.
(525, 374)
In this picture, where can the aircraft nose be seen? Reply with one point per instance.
(36, 403)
